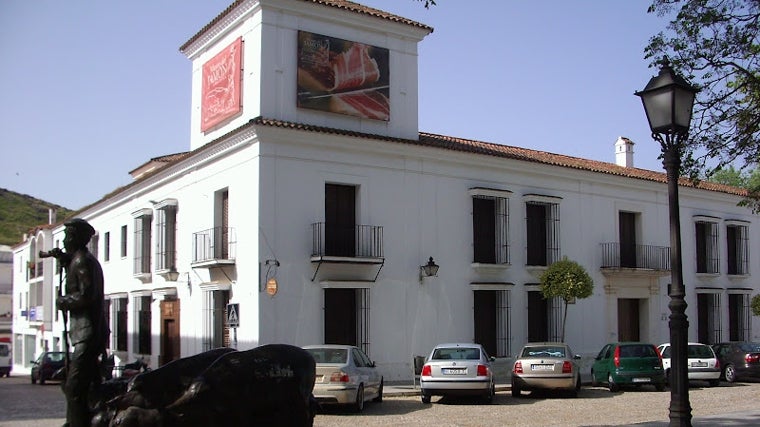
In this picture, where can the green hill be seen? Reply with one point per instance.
(20, 213)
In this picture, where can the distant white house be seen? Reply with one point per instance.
(310, 199)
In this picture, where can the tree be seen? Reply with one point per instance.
(755, 305)
(568, 280)
(715, 45)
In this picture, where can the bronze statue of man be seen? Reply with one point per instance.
(83, 301)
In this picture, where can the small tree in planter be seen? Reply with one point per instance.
(568, 280)
(755, 305)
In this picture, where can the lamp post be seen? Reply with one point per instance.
(668, 101)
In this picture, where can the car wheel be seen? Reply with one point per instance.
(42, 379)
(667, 378)
(576, 389)
(425, 397)
(659, 386)
(611, 384)
(714, 383)
(379, 397)
(359, 404)
(516, 391)
(594, 382)
(730, 373)
(34, 380)
(489, 396)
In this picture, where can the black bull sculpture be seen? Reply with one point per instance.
(268, 385)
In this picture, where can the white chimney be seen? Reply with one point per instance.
(624, 152)
(51, 216)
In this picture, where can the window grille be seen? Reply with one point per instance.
(707, 247)
(362, 324)
(490, 217)
(142, 244)
(737, 244)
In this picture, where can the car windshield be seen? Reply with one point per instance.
(329, 355)
(700, 351)
(456, 353)
(637, 350)
(751, 347)
(54, 357)
(544, 351)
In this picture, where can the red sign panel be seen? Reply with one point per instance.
(220, 92)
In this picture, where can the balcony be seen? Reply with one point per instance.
(618, 257)
(214, 247)
(347, 244)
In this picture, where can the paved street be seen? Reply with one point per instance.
(25, 405)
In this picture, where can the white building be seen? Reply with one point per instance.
(308, 176)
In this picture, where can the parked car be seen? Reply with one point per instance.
(738, 359)
(457, 369)
(548, 366)
(628, 363)
(345, 376)
(50, 365)
(702, 364)
(5, 359)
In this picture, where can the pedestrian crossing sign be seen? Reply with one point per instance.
(233, 315)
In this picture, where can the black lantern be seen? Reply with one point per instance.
(668, 101)
(429, 269)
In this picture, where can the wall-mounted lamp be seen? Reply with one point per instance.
(172, 275)
(429, 269)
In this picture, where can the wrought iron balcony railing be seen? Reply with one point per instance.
(350, 241)
(218, 244)
(647, 257)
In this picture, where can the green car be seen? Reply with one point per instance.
(628, 363)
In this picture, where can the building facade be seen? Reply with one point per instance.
(309, 200)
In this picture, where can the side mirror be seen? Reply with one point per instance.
(372, 364)
(577, 357)
(492, 358)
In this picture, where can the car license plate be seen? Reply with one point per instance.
(454, 371)
(642, 380)
(541, 367)
(698, 364)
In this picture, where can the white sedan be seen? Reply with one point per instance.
(457, 369)
(345, 375)
(702, 364)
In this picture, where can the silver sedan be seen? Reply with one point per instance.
(547, 366)
(457, 369)
(345, 375)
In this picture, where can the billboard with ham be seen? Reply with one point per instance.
(342, 76)
(220, 91)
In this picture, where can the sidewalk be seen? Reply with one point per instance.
(735, 419)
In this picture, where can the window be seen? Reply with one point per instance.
(347, 317)
(708, 317)
(142, 317)
(739, 320)
(166, 235)
(542, 230)
(142, 235)
(707, 245)
(490, 226)
(107, 246)
(544, 317)
(216, 331)
(92, 245)
(737, 247)
(491, 318)
(123, 241)
(119, 328)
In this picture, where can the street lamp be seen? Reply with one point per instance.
(668, 100)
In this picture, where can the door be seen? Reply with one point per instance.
(628, 319)
(627, 230)
(340, 220)
(340, 316)
(538, 317)
(485, 320)
(169, 331)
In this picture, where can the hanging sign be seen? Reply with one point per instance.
(272, 286)
(233, 315)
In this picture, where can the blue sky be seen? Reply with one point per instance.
(91, 90)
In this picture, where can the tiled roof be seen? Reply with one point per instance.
(511, 152)
(340, 4)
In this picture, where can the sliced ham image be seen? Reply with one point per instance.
(354, 68)
(370, 104)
